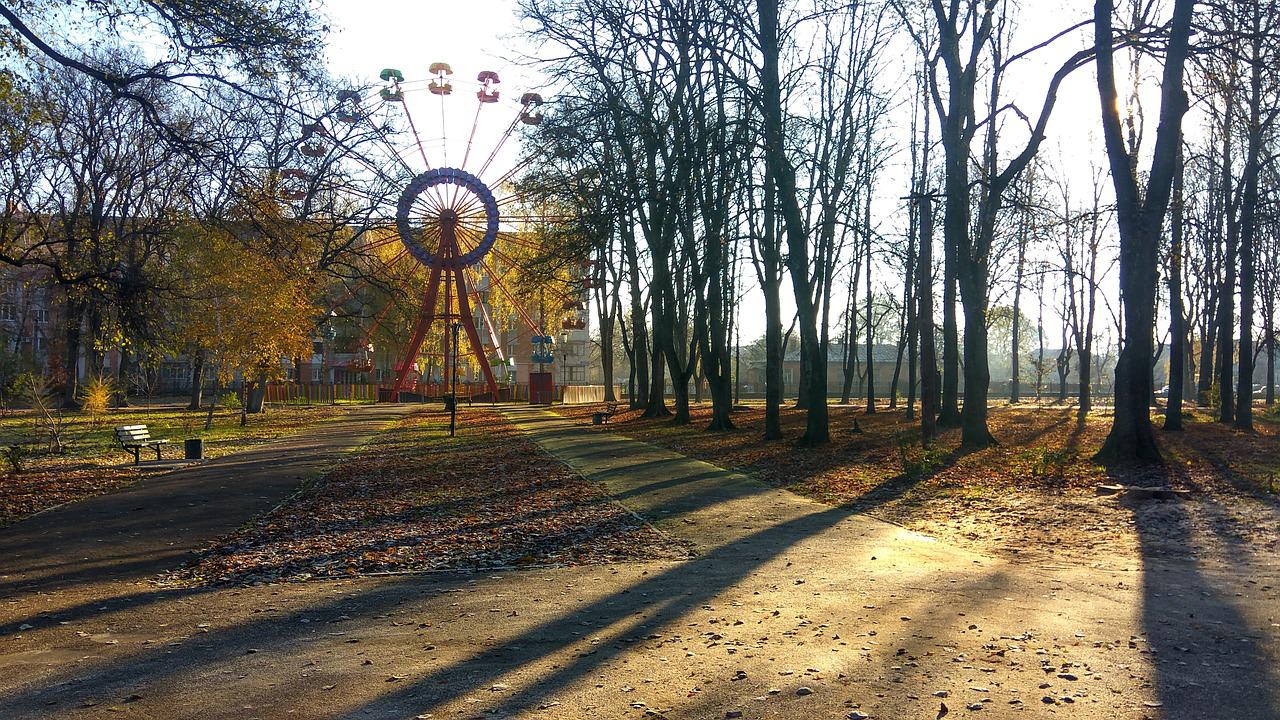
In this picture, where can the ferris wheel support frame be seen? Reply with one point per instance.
(446, 263)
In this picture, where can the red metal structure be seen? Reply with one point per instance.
(447, 218)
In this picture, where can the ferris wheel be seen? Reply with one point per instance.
(462, 222)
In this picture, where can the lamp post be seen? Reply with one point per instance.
(326, 360)
(453, 409)
(564, 365)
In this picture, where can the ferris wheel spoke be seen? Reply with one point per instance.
(377, 171)
(501, 141)
(417, 138)
(512, 173)
(468, 239)
(380, 134)
(488, 324)
(471, 206)
(471, 137)
(383, 242)
(514, 238)
(514, 303)
(347, 296)
(429, 208)
(376, 324)
(563, 297)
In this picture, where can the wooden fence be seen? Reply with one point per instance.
(326, 393)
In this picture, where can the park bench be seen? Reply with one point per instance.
(135, 437)
(600, 418)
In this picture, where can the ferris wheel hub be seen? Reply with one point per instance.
(447, 218)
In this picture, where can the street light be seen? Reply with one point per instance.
(453, 393)
(326, 359)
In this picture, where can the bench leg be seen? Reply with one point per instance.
(157, 452)
(137, 460)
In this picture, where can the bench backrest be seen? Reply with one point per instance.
(133, 433)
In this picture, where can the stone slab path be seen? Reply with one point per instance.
(788, 609)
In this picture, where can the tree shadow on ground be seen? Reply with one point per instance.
(655, 601)
(1203, 638)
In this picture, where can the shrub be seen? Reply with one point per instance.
(50, 424)
(95, 398)
(16, 455)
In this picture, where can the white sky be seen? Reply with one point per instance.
(484, 35)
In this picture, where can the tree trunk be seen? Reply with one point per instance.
(606, 356)
(1270, 329)
(656, 405)
(256, 395)
(1015, 394)
(1227, 289)
(871, 366)
(949, 412)
(639, 334)
(1177, 318)
(1208, 355)
(977, 375)
(772, 357)
(74, 312)
(817, 431)
(1140, 218)
(1248, 233)
(924, 321)
(120, 396)
(197, 381)
(897, 370)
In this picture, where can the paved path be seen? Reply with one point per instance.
(790, 609)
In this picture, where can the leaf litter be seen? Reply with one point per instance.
(415, 499)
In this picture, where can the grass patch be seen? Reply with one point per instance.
(93, 463)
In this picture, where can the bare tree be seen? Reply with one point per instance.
(1140, 213)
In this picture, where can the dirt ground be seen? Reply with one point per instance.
(786, 608)
(1034, 495)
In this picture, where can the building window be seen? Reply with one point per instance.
(40, 315)
(8, 311)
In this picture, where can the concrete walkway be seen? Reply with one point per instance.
(790, 609)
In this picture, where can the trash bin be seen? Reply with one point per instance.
(449, 402)
(193, 448)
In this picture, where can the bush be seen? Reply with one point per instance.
(95, 398)
(16, 455)
(50, 424)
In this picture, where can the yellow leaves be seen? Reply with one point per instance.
(249, 307)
